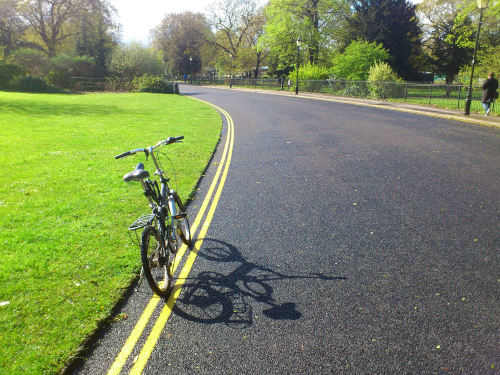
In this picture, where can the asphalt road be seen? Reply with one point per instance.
(347, 240)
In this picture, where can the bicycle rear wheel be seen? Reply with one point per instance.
(183, 228)
(155, 262)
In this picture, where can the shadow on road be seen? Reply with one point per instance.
(213, 297)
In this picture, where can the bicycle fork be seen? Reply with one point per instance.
(173, 211)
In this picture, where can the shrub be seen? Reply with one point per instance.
(83, 66)
(118, 84)
(134, 60)
(60, 69)
(354, 89)
(8, 72)
(379, 75)
(152, 84)
(32, 84)
(33, 61)
(354, 64)
(313, 72)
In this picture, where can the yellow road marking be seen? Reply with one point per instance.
(138, 329)
(167, 309)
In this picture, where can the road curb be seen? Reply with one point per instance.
(402, 107)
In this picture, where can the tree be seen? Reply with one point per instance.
(134, 60)
(444, 54)
(11, 25)
(231, 21)
(357, 59)
(488, 55)
(180, 37)
(394, 24)
(96, 34)
(255, 55)
(53, 21)
(490, 27)
(320, 24)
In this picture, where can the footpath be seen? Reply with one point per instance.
(455, 114)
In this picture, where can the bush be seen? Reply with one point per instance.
(152, 84)
(33, 61)
(354, 89)
(313, 72)
(134, 60)
(60, 69)
(354, 64)
(63, 66)
(379, 75)
(118, 84)
(32, 84)
(83, 66)
(8, 72)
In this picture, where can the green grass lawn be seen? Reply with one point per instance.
(65, 256)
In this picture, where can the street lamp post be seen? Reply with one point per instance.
(481, 4)
(230, 70)
(190, 70)
(299, 42)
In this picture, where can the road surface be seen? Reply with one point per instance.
(345, 240)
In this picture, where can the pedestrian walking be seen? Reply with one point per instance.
(489, 87)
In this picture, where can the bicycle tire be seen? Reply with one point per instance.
(183, 227)
(156, 262)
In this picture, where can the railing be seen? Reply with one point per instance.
(446, 96)
(440, 95)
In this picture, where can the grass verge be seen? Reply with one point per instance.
(65, 256)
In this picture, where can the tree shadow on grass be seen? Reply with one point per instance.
(52, 108)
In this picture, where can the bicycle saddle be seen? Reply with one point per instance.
(136, 175)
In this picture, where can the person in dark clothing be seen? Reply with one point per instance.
(489, 87)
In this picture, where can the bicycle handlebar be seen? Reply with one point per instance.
(167, 141)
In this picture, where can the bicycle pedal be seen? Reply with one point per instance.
(182, 215)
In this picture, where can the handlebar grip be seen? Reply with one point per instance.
(171, 140)
(122, 155)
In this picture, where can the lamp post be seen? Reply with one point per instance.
(190, 70)
(230, 70)
(299, 42)
(481, 4)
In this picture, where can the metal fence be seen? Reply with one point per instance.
(440, 95)
(87, 84)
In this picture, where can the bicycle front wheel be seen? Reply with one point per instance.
(182, 226)
(155, 262)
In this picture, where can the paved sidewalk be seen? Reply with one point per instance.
(456, 114)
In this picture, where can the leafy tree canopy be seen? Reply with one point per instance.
(180, 38)
(320, 24)
(394, 24)
(443, 54)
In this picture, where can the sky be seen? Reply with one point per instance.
(138, 18)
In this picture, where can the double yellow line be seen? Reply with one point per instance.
(143, 357)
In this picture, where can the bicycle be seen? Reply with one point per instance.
(165, 227)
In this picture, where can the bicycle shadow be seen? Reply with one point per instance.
(213, 297)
